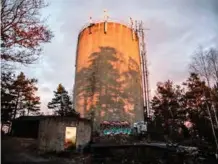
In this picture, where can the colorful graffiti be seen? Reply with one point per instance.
(115, 128)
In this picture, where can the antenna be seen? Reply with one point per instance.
(105, 21)
(131, 22)
(90, 25)
(90, 20)
(132, 27)
(136, 26)
(105, 15)
(90, 17)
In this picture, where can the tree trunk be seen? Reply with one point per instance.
(1, 126)
(16, 106)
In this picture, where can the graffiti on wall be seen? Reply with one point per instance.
(115, 128)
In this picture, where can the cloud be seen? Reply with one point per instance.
(176, 29)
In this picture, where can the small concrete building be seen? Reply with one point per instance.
(54, 133)
(61, 133)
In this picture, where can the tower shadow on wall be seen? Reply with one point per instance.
(101, 86)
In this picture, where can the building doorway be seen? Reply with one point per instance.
(70, 137)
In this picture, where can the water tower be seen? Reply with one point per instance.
(108, 77)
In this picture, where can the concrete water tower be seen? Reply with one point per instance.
(108, 77)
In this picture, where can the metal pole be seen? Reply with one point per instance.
(140, 32)
(145, 69)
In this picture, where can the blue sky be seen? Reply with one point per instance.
(177, 28)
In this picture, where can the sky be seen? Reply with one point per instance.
(176, 29)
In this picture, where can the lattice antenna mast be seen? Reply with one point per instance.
(145, 75)
(142, 46)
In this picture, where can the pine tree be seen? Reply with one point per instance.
(167, 107)
(7, 98)
(168, 101)
(196, 97)
(198, 105)
(32, 102)
(18, 96)
(61, 103)
(25, 101)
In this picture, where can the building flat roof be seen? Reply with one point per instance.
(37, 118)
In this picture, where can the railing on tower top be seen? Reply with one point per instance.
(101, 21)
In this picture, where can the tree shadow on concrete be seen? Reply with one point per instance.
(133, 87)
(104, 88)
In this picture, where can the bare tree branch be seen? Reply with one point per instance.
(205, 63)
(212, 56)
(22, 31)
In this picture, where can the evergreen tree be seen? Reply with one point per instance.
(32, 102)
(193, 104)
(61, 103)
(167, 104)
(26, 101)
(18, 96)
(7, 98)
(198, 105)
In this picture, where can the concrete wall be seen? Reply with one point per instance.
(52, 133)
(83, 133)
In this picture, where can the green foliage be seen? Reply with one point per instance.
(61, 103)
(192, 102)
(198, 102)
(18, 96)
(168, 101)
(7, 98)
